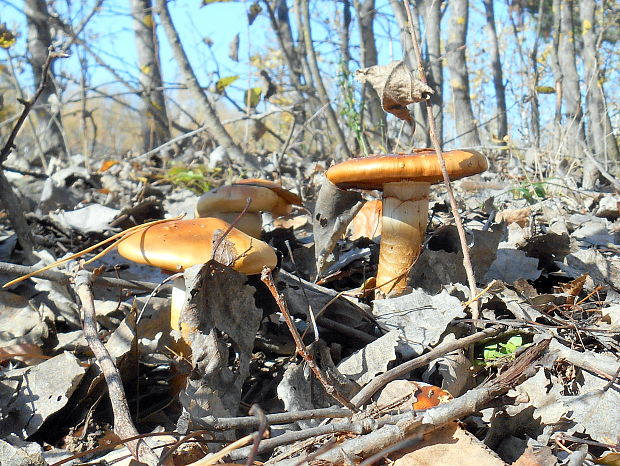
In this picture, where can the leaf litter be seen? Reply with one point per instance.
(549, 271)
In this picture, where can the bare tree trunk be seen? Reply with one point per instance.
(155, 129)
(281, 25)
(409, 57)
(557, 75)
(216, 129)
(601, 130)
(332, 120)
(496, 66)
(534, 106)
(466, 124)
(39, 41)
(574, 137)
(431, 15)
(374, 116)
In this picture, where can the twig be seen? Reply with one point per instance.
(348, 426)
(16, 270)
(299, 345)
(10, 142)
(471, 279)
(608, 176)
(262, 430)
(250, 422)
(123, 425)
(8, 198)
(403, 369)
(415, 423)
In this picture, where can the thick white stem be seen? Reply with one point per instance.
(180, 341)
(405, 216)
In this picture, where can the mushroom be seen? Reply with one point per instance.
(405, 180)
(227, 202)
(177, 245)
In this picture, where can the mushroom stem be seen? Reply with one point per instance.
(251, 223)
(180, 339)
(405, 216)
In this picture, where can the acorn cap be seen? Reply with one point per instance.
(265, 196)
(375, 171)
(180, 244)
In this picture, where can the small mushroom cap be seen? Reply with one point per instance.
(180, 244)
(375, 171)
(265, 196)
(285, 194)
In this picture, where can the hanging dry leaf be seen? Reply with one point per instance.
(396, 86)
(254, 10)
(233, 48)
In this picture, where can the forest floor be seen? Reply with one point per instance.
(534, 381)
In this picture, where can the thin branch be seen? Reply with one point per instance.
(391, 429)
(10, 142)
(471, 279)
(15, 270)
(301, 349)
(123, 425)
(405, 368)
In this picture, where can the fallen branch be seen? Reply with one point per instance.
(249, 422)
(16, 270)
(417, 423)
(123, 425)
(299, 345)
(403, 369)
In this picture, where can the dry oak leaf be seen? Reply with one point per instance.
(396, 87)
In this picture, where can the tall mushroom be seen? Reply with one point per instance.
(228, 201)
(405, 180)
(177, 245)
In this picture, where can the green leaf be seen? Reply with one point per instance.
(223, 83)
(500, 349)
(545, 90)
(252, 96)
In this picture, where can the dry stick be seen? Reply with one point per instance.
(250, 422)
(64, 279)
(471, 279)
(123, 425)
(403, 369)
(255, 410)
(301, 349)
(414, 423)
(8, 198)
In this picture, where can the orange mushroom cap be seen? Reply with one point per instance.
(375, 171)
(265, 196)
(180, 244)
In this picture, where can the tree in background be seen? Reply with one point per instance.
(49, 122)
(600, 133)
(374, 116)
(155, 123)
(466, 124)
(496, 67)
(430, 11)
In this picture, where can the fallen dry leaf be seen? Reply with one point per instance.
(449, 444)
(367, 222)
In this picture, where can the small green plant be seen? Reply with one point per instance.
(532, 192)
(197, 179)
(499, 349)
